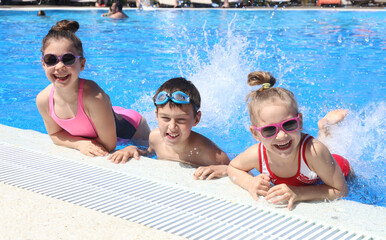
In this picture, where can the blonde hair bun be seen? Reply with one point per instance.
(261, 77)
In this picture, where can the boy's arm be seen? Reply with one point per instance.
(210, 154)
(221, 157)
(203, 152)
(154, 141)
(322, 163)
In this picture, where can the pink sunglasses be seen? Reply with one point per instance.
(289, 125)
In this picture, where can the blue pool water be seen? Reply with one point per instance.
(329, 59)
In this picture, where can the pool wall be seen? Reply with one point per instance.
(366, 220)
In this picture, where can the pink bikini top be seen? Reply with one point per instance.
(303, 176)
(80, 125)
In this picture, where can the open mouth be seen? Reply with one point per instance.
(283, 146)
(172, 136)
(61, 77)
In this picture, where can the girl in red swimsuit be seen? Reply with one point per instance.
(77, 113)
(289, 159)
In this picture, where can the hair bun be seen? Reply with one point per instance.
(65, 25)
(258, 78)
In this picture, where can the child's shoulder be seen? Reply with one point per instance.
(90, 85)
(155, 131)
(92, 91)
(44, 94)
(315, 149)
(204, 143)
(200, 139)
(314, 145)
(250, 154)
(209, 152)
(154, 137)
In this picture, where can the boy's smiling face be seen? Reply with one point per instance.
(176, 122)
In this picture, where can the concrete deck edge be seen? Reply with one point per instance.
(352, 216)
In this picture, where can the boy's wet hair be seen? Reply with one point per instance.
(183, 85)
(256, 99)
(64, 29)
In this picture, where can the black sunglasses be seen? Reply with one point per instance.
(67, 59)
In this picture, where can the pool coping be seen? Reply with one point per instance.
(352, 216)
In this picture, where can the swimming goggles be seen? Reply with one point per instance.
(176, 97)
(67, 59)
(289, 125)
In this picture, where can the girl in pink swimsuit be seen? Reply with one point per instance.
(287, 158)
(77, 113)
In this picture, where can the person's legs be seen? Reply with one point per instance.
(226, 4)
(331, 118)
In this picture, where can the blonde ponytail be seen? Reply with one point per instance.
(267, 92)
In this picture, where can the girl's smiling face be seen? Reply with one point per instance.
(60, 74)
(283, 144)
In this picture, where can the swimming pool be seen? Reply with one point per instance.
(329, 59)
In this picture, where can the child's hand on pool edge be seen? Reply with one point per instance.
(91, 148)
(259, 185)
(210, 172)
(281, 193)
(123, 155)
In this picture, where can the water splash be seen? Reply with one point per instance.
(361, 139)
(361, 135)
(220, 75)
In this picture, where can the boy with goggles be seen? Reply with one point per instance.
(291, 162)
(177, 104)
(176, 97)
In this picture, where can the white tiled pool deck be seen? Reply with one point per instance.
(67, 195)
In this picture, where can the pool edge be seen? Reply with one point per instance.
(353, 216)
